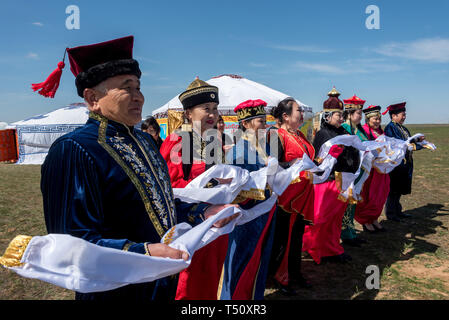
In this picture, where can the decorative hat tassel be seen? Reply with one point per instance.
(50, 85)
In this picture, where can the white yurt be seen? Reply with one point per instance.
(36, 134)
(233, 90)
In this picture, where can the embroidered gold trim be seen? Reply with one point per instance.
(338, 180)
(169, 237)
(193, 92)
(239, 199)
(256, 194)
(220, 283)
(296, 180)
(127, 245)
(255, 279)
(147, 251)
(370, 114)
(171, 213)
(102, 141)
(386, 161)
(332, 110)
(14, 253)
(243, 114)
(351, 106)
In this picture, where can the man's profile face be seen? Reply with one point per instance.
(121, 100)
(399, 117)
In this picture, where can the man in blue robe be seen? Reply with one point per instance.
(401, 176)
(106, 182)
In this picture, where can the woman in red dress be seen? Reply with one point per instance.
(295, 205)
(377, 186)
(200, 101)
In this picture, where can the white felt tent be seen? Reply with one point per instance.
(36, 134)
(233, 90)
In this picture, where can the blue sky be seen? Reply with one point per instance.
(302, 48)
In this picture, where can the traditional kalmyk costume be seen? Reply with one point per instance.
(106, 181)
(246, 265)
(322, 240)
(295, 209)
(348, 233)
(376, 188)
(201, 279)
(401, 176)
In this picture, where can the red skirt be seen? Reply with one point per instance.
(374, 194)
(322, 239)
(201, 279)
(298, 198)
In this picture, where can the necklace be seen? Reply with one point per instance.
(304, 146)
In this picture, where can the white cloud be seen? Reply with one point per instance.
(318, 67)
(258, 65)
(310, 49)
(39, 24)
(33, 55)
(355, 66)
(431, 50)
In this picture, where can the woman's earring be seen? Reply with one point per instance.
(186, 126)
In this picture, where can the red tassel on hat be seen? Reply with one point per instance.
(50, 85)
(385, 112)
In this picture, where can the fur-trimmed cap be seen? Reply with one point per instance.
(92, 64)
(395, 108)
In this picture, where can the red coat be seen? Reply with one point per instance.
(171, 152)
(200, 281)
(298, 198)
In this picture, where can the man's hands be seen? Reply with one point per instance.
(165, 251)
(214, 209)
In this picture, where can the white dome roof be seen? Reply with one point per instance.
(232, 91)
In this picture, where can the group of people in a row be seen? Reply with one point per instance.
(111, 184)
(310, 218)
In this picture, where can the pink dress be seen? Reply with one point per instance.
(322, 239)
(375, 190)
